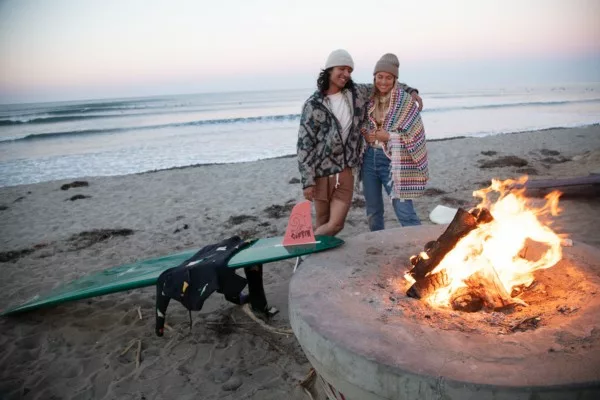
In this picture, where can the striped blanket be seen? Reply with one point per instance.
(407, 146)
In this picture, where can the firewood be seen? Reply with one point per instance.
(426, 286)
(482, 215)
(483, 291)
(461, 225)
(464, 300)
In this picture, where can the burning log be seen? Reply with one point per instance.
(482, 215)
(465, 300)
(463, 223)
(486, 253)
(429, 284)
(483, 291)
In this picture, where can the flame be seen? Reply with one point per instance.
(497, 247)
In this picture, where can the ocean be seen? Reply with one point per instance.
(49, 141)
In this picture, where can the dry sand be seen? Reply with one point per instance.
(74, 350)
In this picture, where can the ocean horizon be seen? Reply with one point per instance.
(73, 139)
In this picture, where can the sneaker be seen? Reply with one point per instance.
(266, 314)
(272, 311)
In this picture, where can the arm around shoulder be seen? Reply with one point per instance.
(407, 88)
(364, 90)
(413, 92)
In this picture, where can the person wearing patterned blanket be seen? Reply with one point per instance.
(396, 154)
(330, 145)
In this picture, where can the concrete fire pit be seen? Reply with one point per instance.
(368, 340)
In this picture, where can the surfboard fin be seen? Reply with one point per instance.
(299, 229)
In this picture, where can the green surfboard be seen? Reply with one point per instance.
(146, 272)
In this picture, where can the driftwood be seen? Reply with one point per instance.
(593, 179)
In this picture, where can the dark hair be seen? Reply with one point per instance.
(323, 80)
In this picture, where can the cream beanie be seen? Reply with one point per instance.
(387, 63)
(339, 58)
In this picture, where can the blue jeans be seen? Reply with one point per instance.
(375, 174)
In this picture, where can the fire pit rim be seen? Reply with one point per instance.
(305, 318)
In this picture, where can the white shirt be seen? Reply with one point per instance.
(341, 110)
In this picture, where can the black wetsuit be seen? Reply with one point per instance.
(205, 272)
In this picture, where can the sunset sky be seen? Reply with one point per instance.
(76, 49)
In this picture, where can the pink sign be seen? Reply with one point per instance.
(299, 229)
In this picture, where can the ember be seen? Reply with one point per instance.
(481, 259)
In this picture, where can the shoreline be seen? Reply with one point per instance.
(292, 155)
(226, 355)
(445, 156)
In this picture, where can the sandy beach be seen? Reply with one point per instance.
(50, 236)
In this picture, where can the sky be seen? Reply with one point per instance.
(85, 49)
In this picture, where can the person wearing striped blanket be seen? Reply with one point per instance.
(330, 145)
(395, 157)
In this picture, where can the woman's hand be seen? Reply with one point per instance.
(382, 135)
(370, 137)
(309, 193)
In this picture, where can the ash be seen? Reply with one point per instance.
(557, 296)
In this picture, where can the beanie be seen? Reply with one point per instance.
(387, 63)
(339, 58)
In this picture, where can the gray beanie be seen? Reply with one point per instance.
(339, 58)
(387, 63)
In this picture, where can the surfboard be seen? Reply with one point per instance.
(442, 214)
(146, 272)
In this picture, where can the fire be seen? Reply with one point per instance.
(496, 249)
